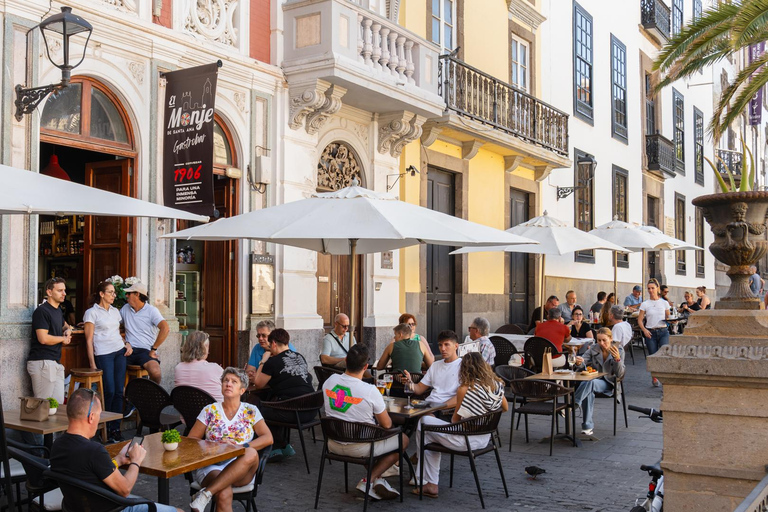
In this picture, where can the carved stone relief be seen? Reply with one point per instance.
(397, 130)
(337, 167)
(137, 70)
(128, 5)
(313, 104)
(213, 19)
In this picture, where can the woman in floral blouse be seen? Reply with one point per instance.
(235, 422)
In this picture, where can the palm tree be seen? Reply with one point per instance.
(722, 30)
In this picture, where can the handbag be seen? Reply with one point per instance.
(34, 409)
(546, 362)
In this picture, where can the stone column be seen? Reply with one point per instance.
(715, 381)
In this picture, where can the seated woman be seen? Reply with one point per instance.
(195, 370)
(605, 314)
(410, 321)
(687, 307)
(287, 374)
(406, 353)
(235, 422)
(580, 328)
(703, 301)
(603, 356)
(480, 392)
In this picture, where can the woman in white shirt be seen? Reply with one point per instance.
(107, 350)
(655, 312)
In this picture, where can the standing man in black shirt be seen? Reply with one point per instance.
(77, 456)
(49, 333)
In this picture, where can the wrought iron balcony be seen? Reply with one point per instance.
(472, 93)
(660, 153)
(655, 18)
(729, 159)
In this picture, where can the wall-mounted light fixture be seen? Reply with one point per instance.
(413, 171)
(586, 167)
(66, 25)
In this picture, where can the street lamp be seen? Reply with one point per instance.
(586, 165)
(66, 25)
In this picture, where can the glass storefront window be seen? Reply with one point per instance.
(106, 122)
(62, 110)
(222, 153)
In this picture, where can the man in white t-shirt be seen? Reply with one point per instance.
(621, 331)
(442, 376)
(654, 311)
(351, 399)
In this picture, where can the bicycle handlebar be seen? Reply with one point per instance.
(650, 413)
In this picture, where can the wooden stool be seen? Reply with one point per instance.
(87, 378)
(134, 371)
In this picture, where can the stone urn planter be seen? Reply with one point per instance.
(738, 221)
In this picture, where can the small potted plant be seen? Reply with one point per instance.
(54, 406)
(171, 439)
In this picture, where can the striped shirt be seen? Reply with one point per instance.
(478, 400)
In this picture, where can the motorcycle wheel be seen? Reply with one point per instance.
(638, 508)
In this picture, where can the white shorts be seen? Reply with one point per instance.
(201, 473)
(363, 449)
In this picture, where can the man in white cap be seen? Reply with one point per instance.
(145, 330)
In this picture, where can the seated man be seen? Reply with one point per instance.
(443, 375)
(406, 353)
(621, 331)
(337, 342)
(351, 399)
(287, 374)
(597, 307)
(555, 331)
(634, 300)
(536, 317)
(253, 368)
(77, 456)
(478, 331)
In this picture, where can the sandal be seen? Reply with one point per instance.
(426, 493)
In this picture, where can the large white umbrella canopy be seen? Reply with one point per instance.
(555, 237)
(674, 243)
(26, 192)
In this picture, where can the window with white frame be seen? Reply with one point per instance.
(443, 24)
(520, 55)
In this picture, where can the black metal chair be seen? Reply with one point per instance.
(618, 390)
(509, 329)
(539, 394)
(534, 350)
(508, 374)
(11, 471)
(189, 401)
(297, 405)
(468, 427)
(245, 495)
(38, 487)
(347, 432)
(323, 372)
(88, 497)
(504, 350)
(150, 399)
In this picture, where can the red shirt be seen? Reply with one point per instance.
(554, 331)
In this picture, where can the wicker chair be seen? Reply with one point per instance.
(347, 432)
(504, 350)
(88, 495)
(11, 471)
(617, 390)
(150, 399)
(509, 329)
(323, 372)
(189, 401)
(303, 403)
(534, 350)
(539, 394)
(507, 374)
(475, 426)
(38, 487)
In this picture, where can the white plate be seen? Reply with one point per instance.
(563, 371)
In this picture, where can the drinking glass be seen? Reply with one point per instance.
(388, 382)
(381, 385)
(571, 359)
(408, 390)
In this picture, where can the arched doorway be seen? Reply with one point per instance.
(207, 272)
(337, 166)
(86, 137)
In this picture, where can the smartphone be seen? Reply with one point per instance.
(135, 440)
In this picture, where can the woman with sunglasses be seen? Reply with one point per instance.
(107, 350)
(410, 320)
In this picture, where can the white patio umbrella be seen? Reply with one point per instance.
(26, 192)
(554, 236)
(353, 220)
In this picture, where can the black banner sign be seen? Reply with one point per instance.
(188, 139)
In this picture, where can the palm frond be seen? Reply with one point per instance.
(749, 23)
(701, 59)
(747, 86)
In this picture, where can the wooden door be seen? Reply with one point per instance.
(441, 300)
(218, 289)
(108, 241)
(518, 263)
(334, 290)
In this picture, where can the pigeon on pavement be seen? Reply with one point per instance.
(535, 471)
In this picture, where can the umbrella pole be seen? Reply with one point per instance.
(352, 315)
(543, 285)
(642, 284)
(615, 278)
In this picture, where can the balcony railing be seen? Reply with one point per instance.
(660, 153)
(729, 159)
(477, 95)
(757, 501)
(654, 15)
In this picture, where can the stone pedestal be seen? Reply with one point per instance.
(715, 405)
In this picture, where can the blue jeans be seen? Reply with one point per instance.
(145, 508)
(113, 379)
(585, 397)
(659, 338)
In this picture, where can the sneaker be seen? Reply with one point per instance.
(587, 431)
(361, 487)
(656, 382)
(200, 500)
(116, 436)
(129, 412)
(276, 456)
(393, 470)
(384, 490)
(288, 451)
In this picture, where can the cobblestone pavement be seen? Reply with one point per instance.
(602, 475)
